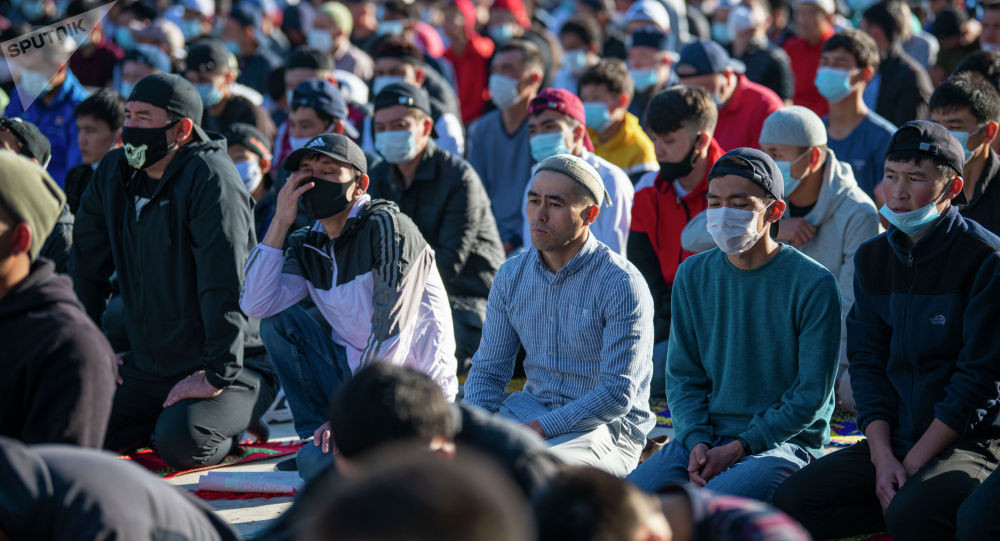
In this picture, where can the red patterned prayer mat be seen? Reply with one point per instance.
(248, 452)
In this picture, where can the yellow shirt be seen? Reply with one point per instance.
(630, 149)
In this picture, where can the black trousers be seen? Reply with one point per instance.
(193, 432)
(835, 497)
(977, 517)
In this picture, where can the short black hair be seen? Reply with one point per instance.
(531, 55)
(586, 504)
(612, 73)
(858, 44)
(105, 105)
(918, 158)
(890, 17)
(583, 27)
(968, 90)
(985, 63)
(385, 403)
(681, 107)
(402, 494)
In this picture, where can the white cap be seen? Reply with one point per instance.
(828, 6)
(649, 10)
(205, 7)
(742, 18)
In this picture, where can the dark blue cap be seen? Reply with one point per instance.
(930, 139)
(403, 94)
(753, 165)
(648, 37)
(706, 57)
(321, 95)
(245, 15)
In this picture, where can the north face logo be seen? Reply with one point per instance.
(938, 320)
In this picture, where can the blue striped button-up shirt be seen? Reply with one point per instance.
(588, 333)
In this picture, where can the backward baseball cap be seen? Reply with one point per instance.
(30, 195)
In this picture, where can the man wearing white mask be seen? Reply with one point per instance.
(331, 33)
(498, 147)
(649, 64)
(766, 63)
(754, 340)
(251, 153)
(580, 38)
(443, 195)
(828, 215)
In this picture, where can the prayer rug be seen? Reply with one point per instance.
(248, 452)
(213, 495)
(843, 424)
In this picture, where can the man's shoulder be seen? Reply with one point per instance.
(877, 125)
(484, 123)
(612, 174)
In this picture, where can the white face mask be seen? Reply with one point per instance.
(503, 91)
(298, 142)
(320, 39)
(250, 173)
(733, 230)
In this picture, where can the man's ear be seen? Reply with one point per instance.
(990, 132)
(777, 211)
(590, 214)
(20, 240)
(338, 126)
(428, 126)
(955, 188)
(622, 101)
(264, 164)
(361, 186)
(815, 157)
(185, 127)
(420, 74)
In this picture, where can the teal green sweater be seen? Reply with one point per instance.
(753, 354)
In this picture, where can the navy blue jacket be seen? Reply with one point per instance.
(923, 337)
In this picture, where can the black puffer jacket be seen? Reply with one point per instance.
(179, 259)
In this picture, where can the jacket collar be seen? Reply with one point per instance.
(990, 172)
(427, 169)
(932, 243)
(665, 186)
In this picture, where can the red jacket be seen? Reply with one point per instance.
(805, 62)
(742, 117)
(661, 215)
(472, 67)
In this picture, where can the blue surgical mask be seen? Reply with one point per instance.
(575, 61)
(319, 39)
(644, 79)
(502, 33)
(125, 89)
(912, 222)
(33, 83)
(390, 28)
(210, 96)
(124, 39)
(503, 91)
(858, 6)
(720, 33)
(250, 173)
(786, 173)
(396, 146)
(385, 80)
(596, 115)
(191, 28)
(963, 139)
(233, 46)
(833, 84)
(544, 145)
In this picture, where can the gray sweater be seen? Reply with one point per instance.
(844, 217)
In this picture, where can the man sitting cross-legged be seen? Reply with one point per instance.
(754, 345)
(585, 318)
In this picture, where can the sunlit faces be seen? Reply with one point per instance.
(737, 192)
(550, 121)
(329, 169)
(674, 146)
(990, 38)
(139, 114)
(965, 126)
(647, 58)
(598, 93)
(94, 137)
(911, 185)
(509, 64)
(133, 72)
(556, 212)
(304, 122)
(810, 20)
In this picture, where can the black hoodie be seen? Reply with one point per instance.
(179, 259)
(58, 369)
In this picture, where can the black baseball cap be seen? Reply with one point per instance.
(930, 139)
(209, 55)
(172, 93)
(403, 94)
(753, 165)
(321, 95)
(35, 144)
(337, 146)
(247, 135)
(706, 57)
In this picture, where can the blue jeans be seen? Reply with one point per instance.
(309, 364)
(756, 476)
(658, 385)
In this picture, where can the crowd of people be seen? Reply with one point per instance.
(462, 244)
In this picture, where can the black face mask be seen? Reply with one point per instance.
(326, 198)
(673, 170)
(146, 146)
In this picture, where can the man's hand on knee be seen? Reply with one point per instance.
(323, 438)
(720, 459)
(193, 386)
(696, 463)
